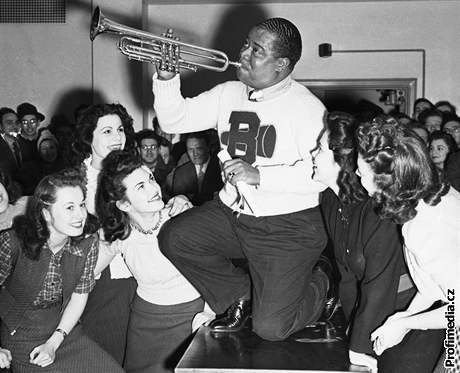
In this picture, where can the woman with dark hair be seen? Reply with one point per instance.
(374, 281)
(420, 105)
(46, 271)
(441, 145)
(101, 129)
(130, 207)
(11, 202)
(397, 172)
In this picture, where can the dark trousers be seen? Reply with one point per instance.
(281, 251)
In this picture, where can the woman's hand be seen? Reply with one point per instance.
(44, 354)
(5, 358)
(360, 359)
(390, 333)
(177, 205)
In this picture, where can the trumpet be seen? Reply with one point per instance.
(170, 53)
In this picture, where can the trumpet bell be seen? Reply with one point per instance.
(171, 54)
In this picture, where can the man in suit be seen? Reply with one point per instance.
(201, 177)
(30, 120)
(10, 155)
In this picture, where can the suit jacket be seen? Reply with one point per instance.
(7, 159)
(185, 181)
(452, 169)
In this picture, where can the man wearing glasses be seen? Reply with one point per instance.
(29, 119)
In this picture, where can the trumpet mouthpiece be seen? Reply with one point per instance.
(236, 64)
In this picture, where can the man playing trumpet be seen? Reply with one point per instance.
(268, 123)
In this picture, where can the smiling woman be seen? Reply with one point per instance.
(40, 314)
(100, 130)
(131, 211)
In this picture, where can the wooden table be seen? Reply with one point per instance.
(321, 348)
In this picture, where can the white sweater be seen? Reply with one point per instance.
(274, 134)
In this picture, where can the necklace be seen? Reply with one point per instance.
(152, 230)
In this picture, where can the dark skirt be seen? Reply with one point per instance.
(76, 354)
(158, 335)
(106, 316)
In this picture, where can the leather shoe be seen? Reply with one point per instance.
(332, 298)
(233, 319)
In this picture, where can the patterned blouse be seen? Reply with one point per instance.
(51, 291)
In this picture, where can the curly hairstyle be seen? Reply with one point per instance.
(342, 142)
(12, 188)
(31, 228)
(403, 171)
(87, 123)
(289, 41)
(115, 168)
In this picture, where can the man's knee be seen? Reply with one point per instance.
(168, 240)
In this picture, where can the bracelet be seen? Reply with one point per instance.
(63, 332)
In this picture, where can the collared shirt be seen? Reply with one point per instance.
(269, 92)
(203, 167)
(51, 291)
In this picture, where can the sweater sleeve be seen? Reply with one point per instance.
(379, 286)
(177, 114)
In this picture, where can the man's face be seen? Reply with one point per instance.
(197, 150)
(260, 68)
(149, 151)
(453, 128)
(9, 124)
(29, 125)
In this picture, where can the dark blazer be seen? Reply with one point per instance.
(452, 170)
(7, 159)
(185, 181)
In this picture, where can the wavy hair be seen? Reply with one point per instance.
(115, 168)
(31, 228)
(87, 123)
(403, 171)
(12, 188)
(342, 142)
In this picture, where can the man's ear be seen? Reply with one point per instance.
(123, 205)
(283, 63)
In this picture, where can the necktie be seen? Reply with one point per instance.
(17, 152)
(200, 177)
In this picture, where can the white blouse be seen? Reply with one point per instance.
(432, 247)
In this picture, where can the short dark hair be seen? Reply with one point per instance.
(342, 142)
(32, 228)
(425, 114)
(5, 110)
(201, 135)
(452, 108)
(403, 171)
(87, 123)
(115, 168)
(449, 117)
(448, 139)
(289, 41)
(146, 134)
(423, 99)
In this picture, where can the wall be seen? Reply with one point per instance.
(53, 66)
(431, 25)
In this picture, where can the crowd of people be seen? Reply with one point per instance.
(115, 245)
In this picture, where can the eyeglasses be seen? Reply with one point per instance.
(452, 130)
(30, 121)
(151, 147)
